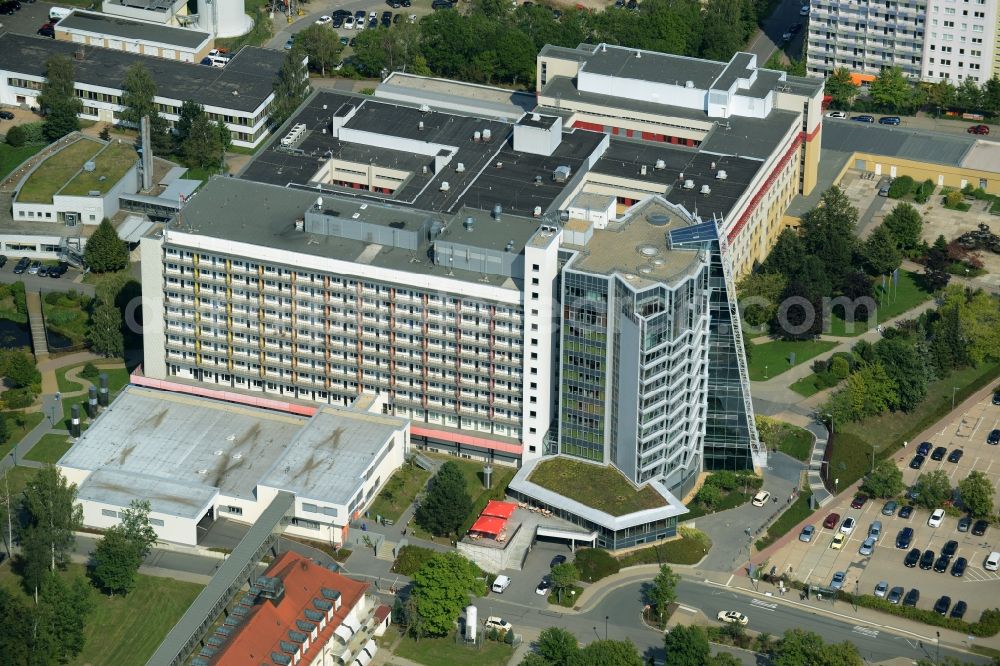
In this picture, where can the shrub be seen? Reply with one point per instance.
(840, 368)
(723, 480)
(900, 187)
(410, 559)
(16, 136)
(52, 298)
(595, 564)
(709, 495)
(819, 366)
(508, 637)
(953, 198)
(17, 398)
(33, 133)
(90, 371)
(924, 191)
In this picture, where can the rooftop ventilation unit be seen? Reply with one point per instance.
(688, 184)
(445, 186)
(497, 211)
(536, 117)
(638, 54)
(459, 168)
(470, 224)
(424, 108)
(660, 164)
(300, 224)
(538, 181)
(89, 165)
(713, 166)
(487, 135)
(509, 247)
(319, 203)
(538, 211)
(721, 175)
(94, 193)
(689, 84)
(642, 170)
(705, 189)
(477, 136)
(420, 126)
(561, 174)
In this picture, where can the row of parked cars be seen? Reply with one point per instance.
(866, 118)
(25, 265)
(939, 453)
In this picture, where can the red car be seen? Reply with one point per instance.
(978, 129)
(859, 501)
(831, 521)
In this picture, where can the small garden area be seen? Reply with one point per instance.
(18, 424)
(723, 490)
(68, 314)
(399, 492)
(894, 300)
(13, 305)
(798, 511)
(598, 486)
(569, 597)
(690, 548)
(449, 651)
(789, 439)
(770, 359)
(593, 564)
(118, 378)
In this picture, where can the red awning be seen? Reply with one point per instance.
(489, 525)
(499, 509)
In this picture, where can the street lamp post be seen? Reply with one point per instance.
(938, 660)
(597, 634)
(606, 627)
(954, 390)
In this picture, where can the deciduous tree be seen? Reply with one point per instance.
(105, 331)
(663, 590)
(564, 576)
(58, 100)
(138, 93)
(686, 646)
(62, 613)
(906, 367)
(977, 494)
(886, 480)
(905, 225)
(18, 367)
(881, 253)
(933, 489)
(48, 518)
(557, 646)
(290, 86)
(797, 647)
(441, 589)
(891, 90)
(608, 653)
(105, 251)
(447, 503)
(841, 87)
(323, 46)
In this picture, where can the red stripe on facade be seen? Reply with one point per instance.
(765, 188)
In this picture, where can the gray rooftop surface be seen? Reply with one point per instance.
(114, 26)
(623, 62)
(737, 68)
(242, 85)
(264, 215)
(921, 145)
(119, 488)
(750, 137)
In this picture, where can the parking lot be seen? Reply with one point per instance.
(816, 562)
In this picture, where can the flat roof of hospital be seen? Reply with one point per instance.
(178, 450)
(116, 26)
(242, 85)
(914, 144)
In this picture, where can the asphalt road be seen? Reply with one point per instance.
(768, 39)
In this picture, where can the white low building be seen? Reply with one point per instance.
(196, 459)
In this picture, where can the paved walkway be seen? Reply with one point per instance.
(820, 434)
(36, 321)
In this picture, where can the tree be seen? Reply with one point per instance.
(828, 233)
(18, 635)
(663, 590)
(977, 494)
(441, 590)
(841, 87)
(446, 504)
(105, 251)
(709, 495)
(906, 367)
(686, 646)
(322, 45)
(969, 96)
(63, 609)
(936, 267)
(19, 368)
(759, 294)
(806, 648)
(557, 645)
(105, 331)
(290, 87)
(723, 659)
(886, 480)
(881, 253)
(933, 488)
(138, 100)
(786, 256)
(138, 528)
(48, 518)
(905, 225)
(189, 111)
(202, 147)
(979, 315)
(115, 562)
(16, 136)
(867, 392)
(608, 653)
(564, 576)
(941, 95)
(991, 96)
(891, 91)
(58, 100)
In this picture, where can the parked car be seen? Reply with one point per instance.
(544, 585)
(24, 262)
(992, 561)
(498, 623)
(33, 267)
(349, 23)
(732, 617)
(831, 521)
(939, 453)
(836, 114)
(867, 547)
(58, 271)
(3, 260)
(912, 597)
(441, 4)
(996, 398)
(936, 518)
(978, 129)
(806, 535)
(958, 610)
(895, 595)
(875, 530)
(942, 605)
(906, 511)
(838, 541)
(889, 120)
(924, 448)
(955, 455)
(959, 567)
(838, 580)
(786, 36)
(760, 499)
(941, 563)
(881, 589)
(917, 462)
(804, 11)
(848, 525)
(889, 508)
(859, 501)
(964, 523)
(47, 30)
(904, 538)
(950, 548)
(43, 271)
(927, 560)
(338, 22)
(994, 437)
(864, 119)
(324, 20)
(289, 43)
(794, 28)
(979, 527)
(558, 559)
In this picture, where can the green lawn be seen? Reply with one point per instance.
(689, 549)
(65, 385)
(770, 359)
(601, 487)
(446, 652)
(49, 449)
(852, 449)
(399, 492)
(111, 164)
(807, 386)
(893, 302)
(795, 514)
(11, 157)
(117, 378)
(730, 500)
(19, 424)
(56, 170)
(789, 439)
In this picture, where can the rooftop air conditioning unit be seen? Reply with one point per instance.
(705, 189)
(660, 164)
(688, 184)
(721, 175)
(445, 186)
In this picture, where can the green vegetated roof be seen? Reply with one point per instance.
(56, 170)
(601, 487)
(112, 163)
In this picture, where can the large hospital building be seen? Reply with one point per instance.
(517, 275)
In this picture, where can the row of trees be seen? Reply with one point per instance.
(933, 489)
(892, 92)
(495, 42)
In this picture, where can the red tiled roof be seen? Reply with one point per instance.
(382, 612)
(268, 624)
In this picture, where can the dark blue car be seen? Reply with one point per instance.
(889, 120)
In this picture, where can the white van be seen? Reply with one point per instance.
(992, 562)
(59, 13)
(501, 584)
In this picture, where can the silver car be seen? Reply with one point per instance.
(882, 589)
(806, 535)
(875, 530)
(867, 547)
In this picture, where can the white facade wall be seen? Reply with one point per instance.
(960, 37)
(181, 53)
(31, 246)
(644, 91)
(174, 529)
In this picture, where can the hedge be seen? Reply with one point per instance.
(901, 187)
